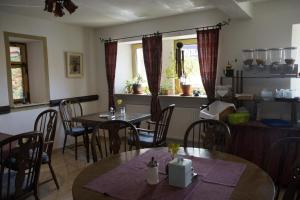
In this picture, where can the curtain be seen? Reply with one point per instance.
(152, 51)
(110, 64)
(208, 43)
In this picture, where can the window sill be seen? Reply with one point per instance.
(21, 107)
(171, 96)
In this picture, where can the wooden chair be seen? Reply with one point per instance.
(209, 134)
(283, 161)
(157, 137)
(293, 190)
(46, 124)
(20, 161)
(112, 142)
(70, 109)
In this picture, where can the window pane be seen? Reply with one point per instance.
(140, 66)
(15, 54)
(17, 83)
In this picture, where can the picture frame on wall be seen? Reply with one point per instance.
(74, 64)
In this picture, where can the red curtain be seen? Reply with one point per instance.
(152, 50)
(110, 64)
(208, 43)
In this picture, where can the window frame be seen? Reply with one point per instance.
(24, 67)
(7, 37)
(134, 47)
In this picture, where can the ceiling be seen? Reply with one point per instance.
(99, 13)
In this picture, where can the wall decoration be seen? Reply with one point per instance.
(74, 65)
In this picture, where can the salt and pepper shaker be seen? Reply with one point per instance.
(112, 111)
(152, 172)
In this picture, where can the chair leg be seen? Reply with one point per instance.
(65, 141)
(36, 195)
(53, 175)
(75, 147)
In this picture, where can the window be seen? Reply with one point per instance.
(138, 66)
(27, 69)
(19, 73)
(191, 63)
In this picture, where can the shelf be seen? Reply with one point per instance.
(271, 76)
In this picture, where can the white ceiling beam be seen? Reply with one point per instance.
(234, 9)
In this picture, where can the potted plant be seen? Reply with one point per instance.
(137, 84)
(128, 87)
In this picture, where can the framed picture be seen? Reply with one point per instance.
(74, 65)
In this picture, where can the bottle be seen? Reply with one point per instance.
(152, 172)
(112, 111)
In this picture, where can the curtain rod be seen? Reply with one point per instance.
(219, 25)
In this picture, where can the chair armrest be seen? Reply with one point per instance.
(145, 130)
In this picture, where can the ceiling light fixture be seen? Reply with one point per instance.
(57, 6)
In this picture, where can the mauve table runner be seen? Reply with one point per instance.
(216, 180)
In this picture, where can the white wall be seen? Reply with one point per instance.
(60, 38)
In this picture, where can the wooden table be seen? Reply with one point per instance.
(254, 183)
(94, 120)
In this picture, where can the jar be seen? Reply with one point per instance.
(290, 54)
(260, 57)
(248, 56)
(275, 56)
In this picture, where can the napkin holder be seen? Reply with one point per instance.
(180, 172)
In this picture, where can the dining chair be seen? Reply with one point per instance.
(283, 161)
(156, 137)
(70, 109)
(46, 124)
(111, 138)
(292, 192)
(209, 134)
(20, 162)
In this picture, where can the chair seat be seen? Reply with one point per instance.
(146, 139)
(45, 158)
(77, 131)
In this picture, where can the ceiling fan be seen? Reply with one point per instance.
(57, 6)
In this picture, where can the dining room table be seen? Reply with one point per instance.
(94, 119)
(220, 176)
(3, 136)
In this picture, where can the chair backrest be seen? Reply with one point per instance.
(283, 157)
(117, 137)
(292, 192)
(68, 110)
(46, 124)
(162, 126)
(209, 134)
(20, 161)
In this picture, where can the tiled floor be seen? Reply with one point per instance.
(66, 169)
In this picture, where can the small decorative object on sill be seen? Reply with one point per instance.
(180, 172)
(57, 6)
(136, 85)
(152, 172)
(228, 70)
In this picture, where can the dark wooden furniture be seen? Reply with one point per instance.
(20, 161)
(70, 109)
(253, 184)
(283, 159)
(209, 134)
(293, 190)
(158, 136)
(119, 132)
(46, 124)
(253, 140)
(92, 120)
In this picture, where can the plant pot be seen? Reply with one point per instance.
(137, 89)
(186, 90)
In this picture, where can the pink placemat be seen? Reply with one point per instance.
(128, 181)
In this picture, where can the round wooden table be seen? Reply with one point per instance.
(254, 183)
